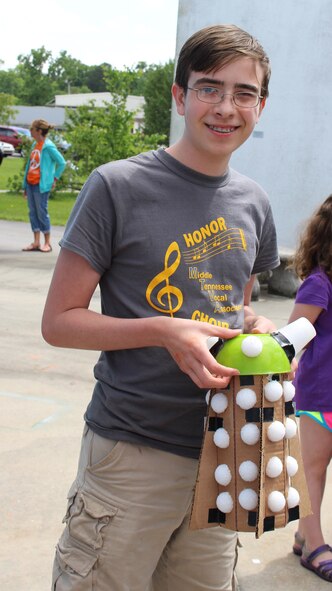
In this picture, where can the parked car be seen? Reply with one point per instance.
(11, 136)
(60, 142)
(22, 130)
(7, 149)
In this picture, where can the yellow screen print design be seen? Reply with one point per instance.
(170, 291)
(209, 241)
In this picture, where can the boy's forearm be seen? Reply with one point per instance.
(85, 329)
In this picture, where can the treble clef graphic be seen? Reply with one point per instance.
(170, 291)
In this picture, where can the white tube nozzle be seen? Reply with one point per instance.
(299, 333)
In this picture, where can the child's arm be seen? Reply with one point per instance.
(300, 311)
(306, 311)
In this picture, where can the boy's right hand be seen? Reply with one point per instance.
(186, 341)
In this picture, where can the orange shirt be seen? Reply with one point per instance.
(33, 176)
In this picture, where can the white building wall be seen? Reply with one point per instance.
(56, 114)
(289, 153)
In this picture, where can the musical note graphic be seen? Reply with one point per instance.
(168, 292)
(224, 241)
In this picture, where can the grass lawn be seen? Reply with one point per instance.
(10, 166)
(13, 206)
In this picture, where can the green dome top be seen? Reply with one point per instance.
(272, 359)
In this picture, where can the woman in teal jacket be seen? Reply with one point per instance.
(44, 167)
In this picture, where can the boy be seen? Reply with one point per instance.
(174, 238)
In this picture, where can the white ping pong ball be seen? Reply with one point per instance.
(246, 398)
(273, 391)
(293, 497)
(274, 467)
(223, 474)
(250, 434)
(225, 502)
(219, 403)
(221, 438)
(248, 471)
(276, 501)
(248, 499)
(276, 431)
(289, 390)
(291, 466)
(251, 346)
(291, 428)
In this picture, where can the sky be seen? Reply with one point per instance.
(121, 33)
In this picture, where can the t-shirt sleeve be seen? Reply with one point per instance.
(315, 291)
(91, 227)
(267, 256)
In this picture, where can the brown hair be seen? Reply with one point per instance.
(42, 125)
(315, 247)
(214, 47)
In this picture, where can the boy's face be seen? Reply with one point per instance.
(214, 131)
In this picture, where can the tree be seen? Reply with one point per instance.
(7, 111)
(95, 78)
(11, 83)
(102, 134)
(158, 99)
(67, 73)
(32, 68)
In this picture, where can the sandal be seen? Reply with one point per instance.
(30, 248)
(324, 568)
(298, 545)
(46, 248)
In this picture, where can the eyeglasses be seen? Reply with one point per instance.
(212, 95)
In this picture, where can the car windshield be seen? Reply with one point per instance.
(22, 131)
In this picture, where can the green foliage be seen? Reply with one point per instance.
(38, 77)
(95, 78)
(7, 110)
(37, 88)
(11, 83)
(127, 81)
(67, 73)
(158, 99)
(97, 134)
(10, 167)
(102, 134)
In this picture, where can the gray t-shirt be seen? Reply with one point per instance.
(166, 240)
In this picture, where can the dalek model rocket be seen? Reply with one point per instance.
(250, 475)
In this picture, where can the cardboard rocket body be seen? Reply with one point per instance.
(250, 474)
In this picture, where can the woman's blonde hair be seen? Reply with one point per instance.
(42, 125)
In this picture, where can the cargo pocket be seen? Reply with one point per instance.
(73, 569)
(78, 549)
(70, 500)
(86, 519)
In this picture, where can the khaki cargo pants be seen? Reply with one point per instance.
(127, 525)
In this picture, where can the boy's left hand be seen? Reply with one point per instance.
(258, 325)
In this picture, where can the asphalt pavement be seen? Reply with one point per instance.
(43, 395)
